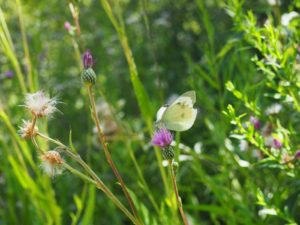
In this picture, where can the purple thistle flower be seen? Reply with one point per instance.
(255, 122)
(67, 26)
(297, 155)
(162, 138)
(276, 143)
(88, 60)
(9, 74)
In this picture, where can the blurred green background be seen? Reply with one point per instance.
(239, 56)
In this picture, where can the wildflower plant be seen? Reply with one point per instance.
(163, 138)
(39, 105)
(239, 164)
(52, 163)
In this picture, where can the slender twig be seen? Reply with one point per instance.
(179, 204)
(102, 140)
(99, 183)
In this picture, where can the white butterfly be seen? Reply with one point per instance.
(180, 115)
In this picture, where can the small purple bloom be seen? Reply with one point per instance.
(297, 155)
(276, 143)
(162, 138)
(67, 26)
(87, 60)
(9, 74)
(255, 122)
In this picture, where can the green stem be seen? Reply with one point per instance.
(25, 47)
(79, 174)
(8, 49)
(139, 90)
(146, 187)
(102, 140)
(97, 180)
(178, 199)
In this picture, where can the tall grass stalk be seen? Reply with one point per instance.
(31, 79)
(9, 50)
(139, 90)
(102, 140)
(132, 156)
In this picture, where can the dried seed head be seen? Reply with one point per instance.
(39, 104)
(27, 130)
(52, 163)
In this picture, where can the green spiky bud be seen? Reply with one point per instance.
(175, 166)
(88, 76)
(168, 153)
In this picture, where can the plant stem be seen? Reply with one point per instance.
(139, 89)
(96, 180)
(140, 174)
(78, 173)
(75, 14)
(25, 47)
(107, 153)
(179, 204)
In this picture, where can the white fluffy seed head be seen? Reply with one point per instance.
(52, 163)
(27, 130)
(39, 104)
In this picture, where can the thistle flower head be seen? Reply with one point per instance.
(162, 138)
(67, 26)
(276, 143)
(39, 104)
(52, 163)
(255, 121)
(9, 74)
(297, 154)
(27, 130)
(88, 60)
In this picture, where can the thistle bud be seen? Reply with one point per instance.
(88, 76)
(175, 166)
(87, 60)
(168, 153)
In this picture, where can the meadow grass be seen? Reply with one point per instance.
(238, 164)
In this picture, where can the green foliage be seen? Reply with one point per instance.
(241, 57)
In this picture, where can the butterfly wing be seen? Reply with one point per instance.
(180, 115)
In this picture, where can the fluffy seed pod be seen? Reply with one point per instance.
(88, 76)
(168, 153)
(52, 163)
